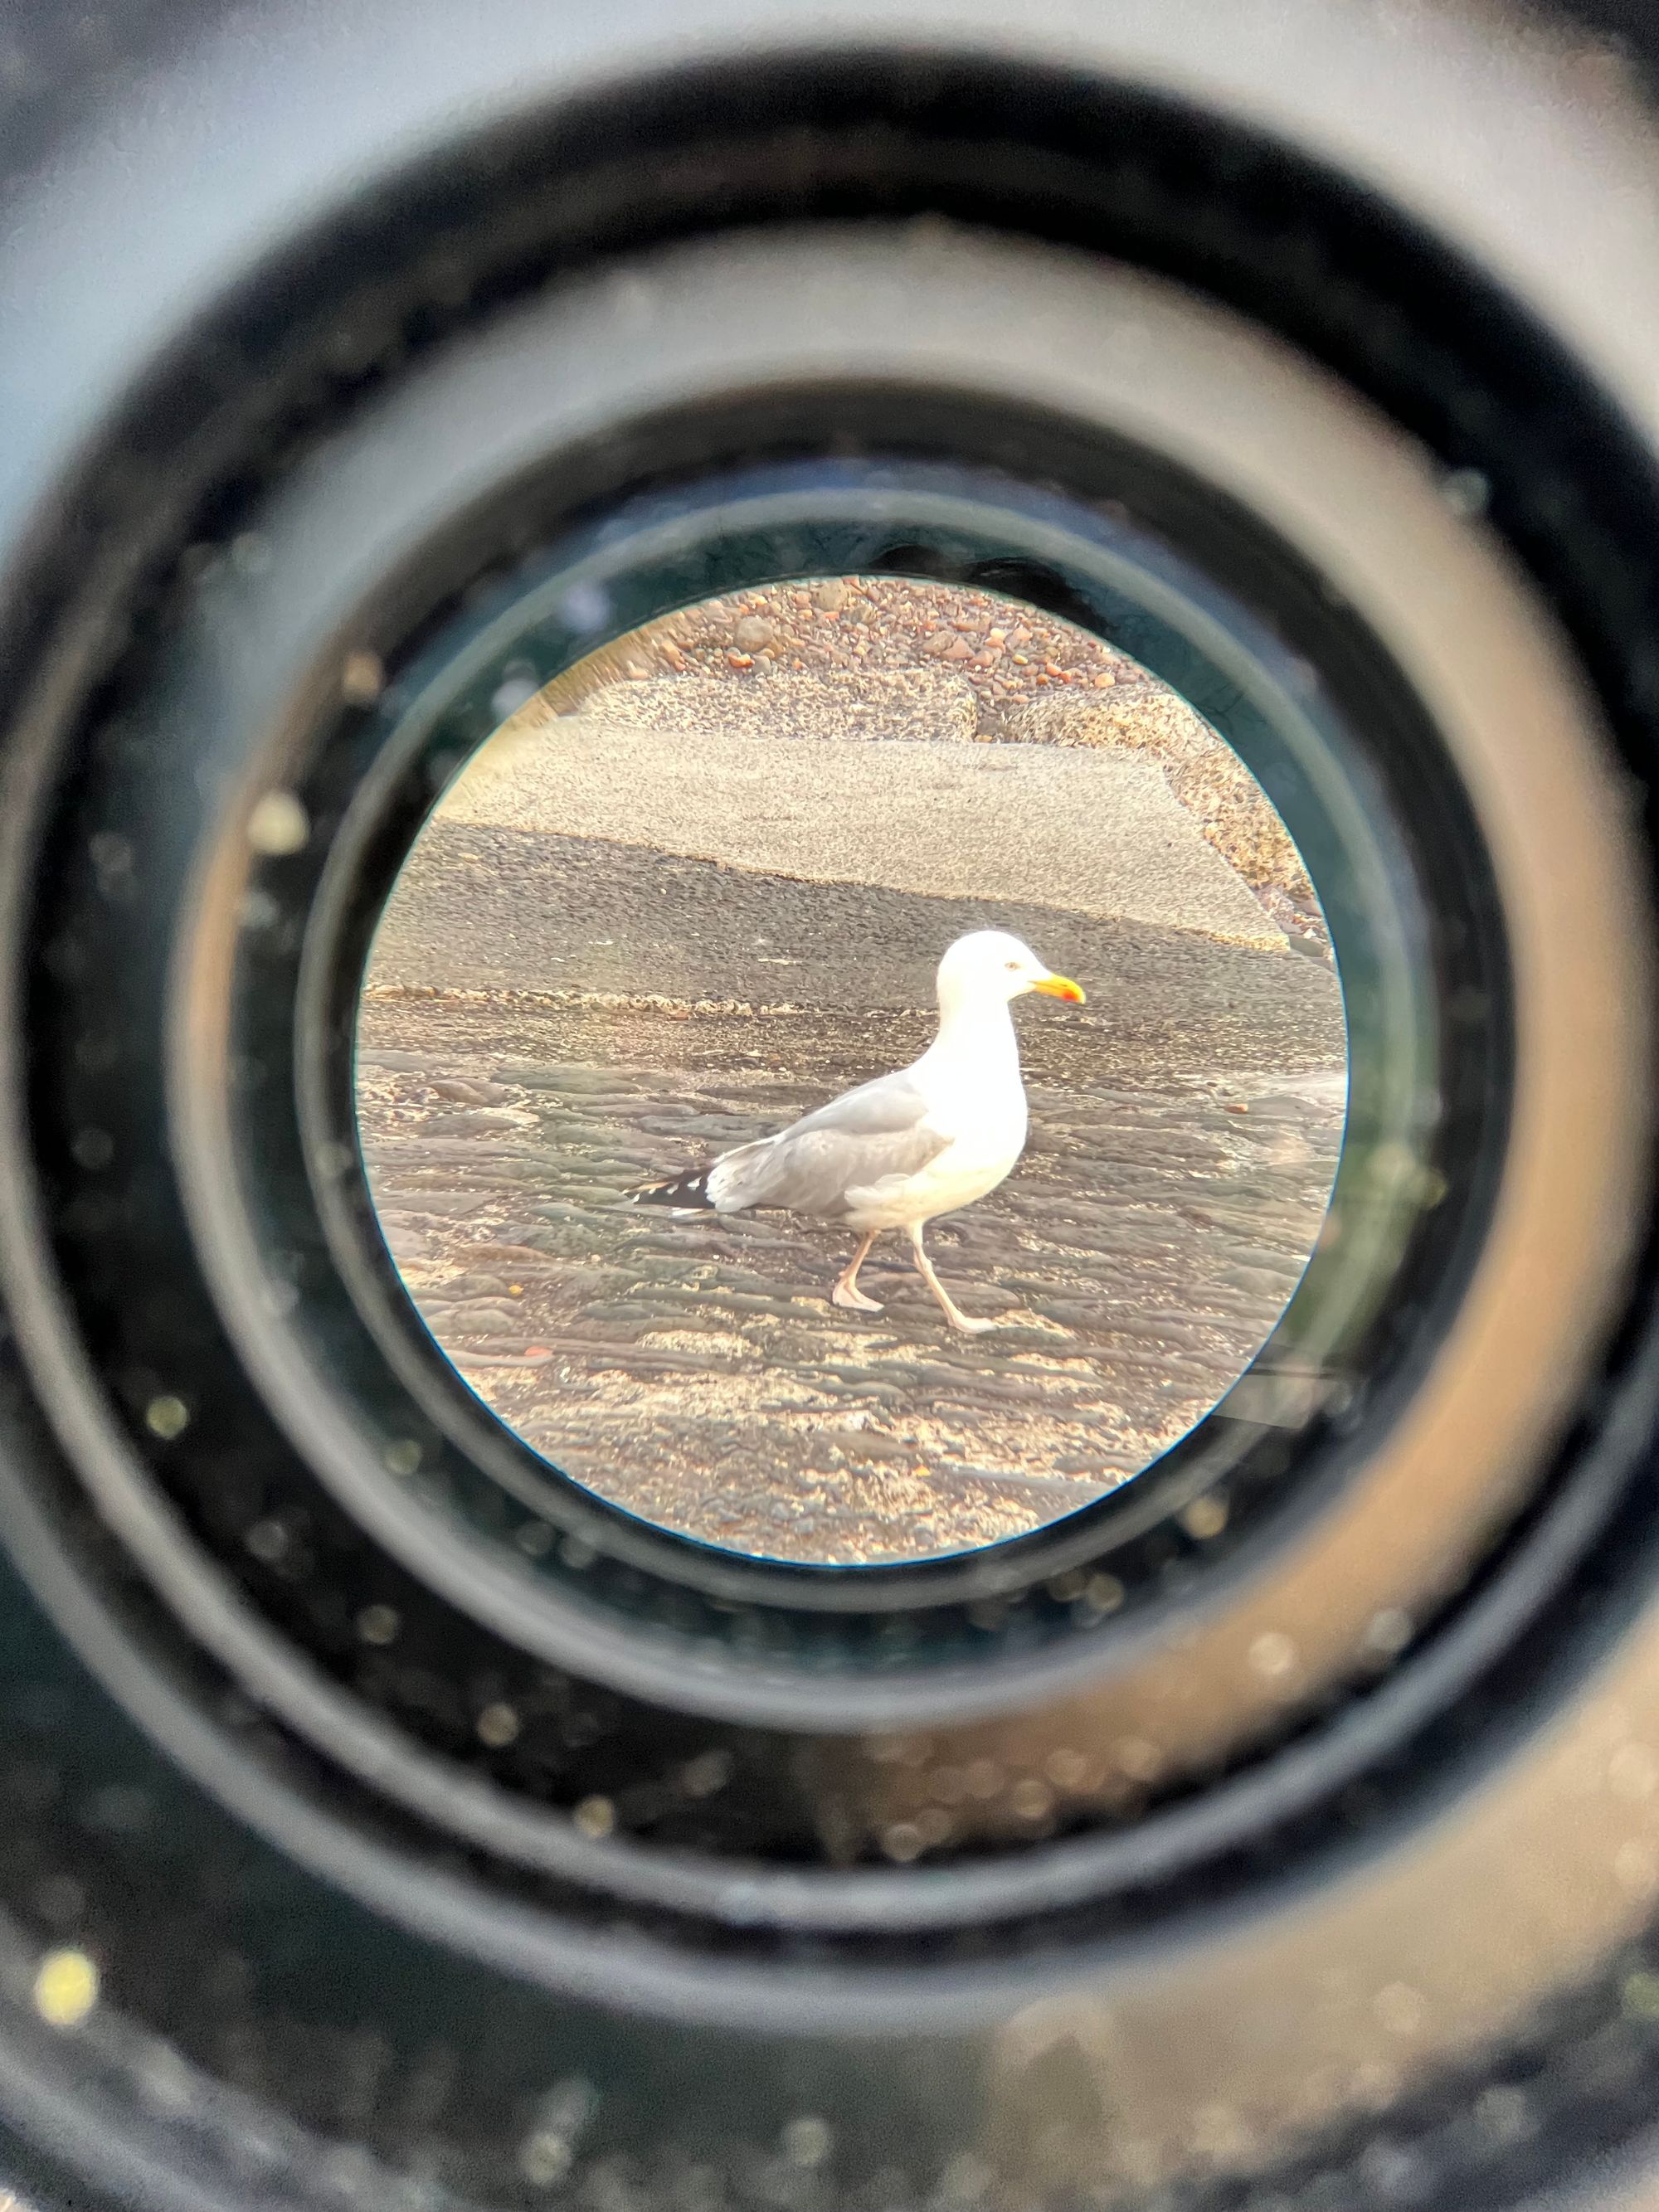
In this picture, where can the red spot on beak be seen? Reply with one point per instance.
(1060, 986)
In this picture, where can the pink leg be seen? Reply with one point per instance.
(846, 1291)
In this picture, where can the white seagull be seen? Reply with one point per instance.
(898, 1153)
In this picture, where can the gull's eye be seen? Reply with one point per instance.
(1013, 967)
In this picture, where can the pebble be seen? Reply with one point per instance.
(471, 1094)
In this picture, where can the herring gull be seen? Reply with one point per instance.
(898, 1153)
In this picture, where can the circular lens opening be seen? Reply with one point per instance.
(732, 1116)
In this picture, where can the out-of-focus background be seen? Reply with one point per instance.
(700, 885)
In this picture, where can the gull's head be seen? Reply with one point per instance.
(989, 965)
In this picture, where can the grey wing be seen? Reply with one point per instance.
(880, 1130)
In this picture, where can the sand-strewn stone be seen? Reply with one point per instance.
(1093, 832)
(1205, 773)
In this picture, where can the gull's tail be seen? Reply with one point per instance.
(687, 1193)
(707, 1189)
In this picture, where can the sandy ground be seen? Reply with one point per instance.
(1185, 1126)
(893, 656)
(1102, 833)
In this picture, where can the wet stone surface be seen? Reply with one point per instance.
(1185, 1127)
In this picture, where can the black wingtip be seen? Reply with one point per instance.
(686, 1191)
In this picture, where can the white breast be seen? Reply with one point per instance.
(978, 1101)
(973, 1088)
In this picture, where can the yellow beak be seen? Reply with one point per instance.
(1059, 986)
